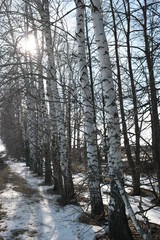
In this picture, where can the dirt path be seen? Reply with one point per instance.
(16, 187)
(28, 212)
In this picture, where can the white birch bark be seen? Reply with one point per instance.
(68, 184)
(41, 105)
(30, 115)
(114, 156)
(58, 186)
(41, 117)
(31, 119)
(90, 128)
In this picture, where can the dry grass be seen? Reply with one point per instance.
(45, 184)
(20, 185)
(4, 172)
(87, 219)
(155, 228)
(17, 232)
(80, 188)
(78, 168)
(2, 213)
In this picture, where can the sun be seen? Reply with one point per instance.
(28, 44)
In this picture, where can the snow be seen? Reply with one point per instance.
(2, 147)
(39, 217)
(138, 203)
(152, 214)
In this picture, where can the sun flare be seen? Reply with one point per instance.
(29, 44)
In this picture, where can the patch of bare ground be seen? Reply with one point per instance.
(145, 168)
(155, 231)
(88, 219)
(52, 191)
(78, 168)
(155, 228)
(82, 199)
(2, 213)
(17, 232)
(2, 216)
(143, 193)
(4, 171)
(80, 188)
(45, 184)
(19, 185)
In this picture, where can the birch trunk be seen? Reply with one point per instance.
(117, 216)
(30, 115)
(31, 121)
(41, 106)
(31, 104)
(97, 208)
(68, 183)
(54, 151)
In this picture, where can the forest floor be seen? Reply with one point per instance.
(29, 210)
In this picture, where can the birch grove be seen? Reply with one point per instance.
(84, 100)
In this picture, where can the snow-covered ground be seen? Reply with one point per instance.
(139, 204)
(39, 217)
(2, 147)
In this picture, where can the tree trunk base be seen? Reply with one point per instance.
(118, 222)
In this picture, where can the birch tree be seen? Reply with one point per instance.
(118, 198)
(68, 193)
(97, 208)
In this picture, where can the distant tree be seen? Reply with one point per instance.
(11, 130)
(134, 170)
(150, 15)
(135, 165)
